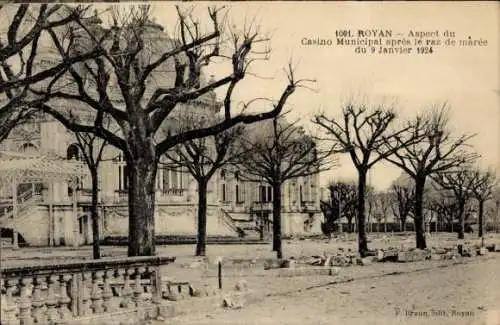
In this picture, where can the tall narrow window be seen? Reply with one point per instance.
(224, 199)
(269, 194)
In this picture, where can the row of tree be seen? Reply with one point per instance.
(444, 204)
(424, 148)
(135, 83)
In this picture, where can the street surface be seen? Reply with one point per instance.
(455, 294)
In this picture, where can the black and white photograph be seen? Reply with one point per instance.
(250, 162)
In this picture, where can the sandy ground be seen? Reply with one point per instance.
(456, 294)
(372, 297)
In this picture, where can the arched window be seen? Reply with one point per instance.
(73, 152)
(29, 148)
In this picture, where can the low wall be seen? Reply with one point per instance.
(72, 293)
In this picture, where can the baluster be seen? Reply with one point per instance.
(155, 277)
(97, 292)
(52, 299)
(138, 292)
(127, 290)
(9, 307)
(138, 289)
(107, 293)
(38, 301)
(85, 292)
(25, 317)
(64, 299)
(3, 301)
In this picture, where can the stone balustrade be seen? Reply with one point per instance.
(68, 292)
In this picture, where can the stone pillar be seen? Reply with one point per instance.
(108, 175)
(15, 216)
(74, 218)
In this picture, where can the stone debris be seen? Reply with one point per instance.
(491, 247)
(414, 255)
(241, 285)
(482, 251)
(233, 301)
(172, 295)
(195, 292)
(364, 261)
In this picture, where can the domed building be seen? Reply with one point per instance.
(52, 213)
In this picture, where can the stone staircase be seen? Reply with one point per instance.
(245, 228)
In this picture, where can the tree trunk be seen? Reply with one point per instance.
(461, 219)
(362, 240)
(141, 191)
(96, 250)
(202, 218)
(480, 212)
(419, 214)
(277, 220)
(349, 225)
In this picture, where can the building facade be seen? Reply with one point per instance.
(235, 206)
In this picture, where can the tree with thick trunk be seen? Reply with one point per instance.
(20, 44)
(143, 77)
(361, 133)
(436, 151)
(277, 152)
(202, 158)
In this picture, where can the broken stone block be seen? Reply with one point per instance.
(436, 257)
(241, 285)
(491, 247)
(233, 301)
(271, 264)
(390, 255)
(335, 271)
(195, 292)
(380, 255)
(482, 251)
(287, 263)
(402, 257)
(364, 261)
(172, 295)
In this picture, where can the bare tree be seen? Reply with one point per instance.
(136, 52)
(483, 191)
(342, 203)
(402, 202)
(362, 133)
(461, 182)
(277, 152)
(92, 149)
(382, 204)
(19, 46)
(438, 151)
(202, 158)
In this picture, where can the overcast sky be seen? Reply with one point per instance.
(468, 78)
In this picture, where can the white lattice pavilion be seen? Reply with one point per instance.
(16, 168)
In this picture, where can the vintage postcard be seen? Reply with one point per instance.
(250, 162)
